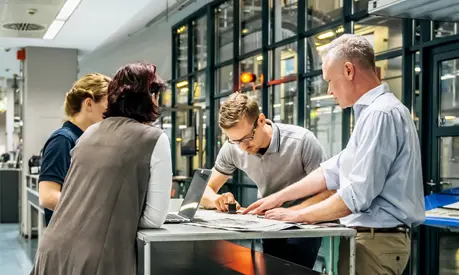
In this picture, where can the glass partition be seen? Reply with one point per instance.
(250, 25)
(390, 72)
(224, 80)
(285, 15)
(449, 93)
(383, 33)
(285, 60)
(224, 22)
(182, 51)
(199, 43)
(325, 117)
(322, 12)
(284, 102)
(220, 136)
(316, 44)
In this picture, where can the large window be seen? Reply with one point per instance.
(316, 44)
(181, 51)
(199, 44)
(325, 116)
(383, 33)
(279, 61)
(390, 72)
(224, 80)
(284, 19)
(224, 22)
(272, 51)
(220, 136)
(250, 14)
(284, 97)
(285, 61)
(322, 12)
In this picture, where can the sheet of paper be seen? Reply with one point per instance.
(443, 213)
(237, 222)
(452, 206)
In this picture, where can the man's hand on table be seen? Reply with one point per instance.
(221, 203)
(284, 214)
(261, 206)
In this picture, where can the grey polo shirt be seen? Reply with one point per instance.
(293, 153)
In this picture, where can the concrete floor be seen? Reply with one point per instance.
(15, 252)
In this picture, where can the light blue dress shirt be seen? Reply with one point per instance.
(379, 175)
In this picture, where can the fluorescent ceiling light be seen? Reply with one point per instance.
(53, 29)
(67, 9)
(448, 76)
(64, 14)
(182, 84)
(325, 35)
(322, 97)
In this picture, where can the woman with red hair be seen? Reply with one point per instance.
(120, 178)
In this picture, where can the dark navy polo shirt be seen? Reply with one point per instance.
(56, 156)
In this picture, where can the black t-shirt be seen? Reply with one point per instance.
(56, 156)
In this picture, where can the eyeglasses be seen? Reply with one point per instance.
(246, 139)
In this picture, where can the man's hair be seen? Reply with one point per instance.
(235, 108)
(353, 48)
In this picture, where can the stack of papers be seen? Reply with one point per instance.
(246, 223)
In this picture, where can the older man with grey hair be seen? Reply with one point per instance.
(378, 175)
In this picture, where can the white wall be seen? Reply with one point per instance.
(153, 45)
(49, 74)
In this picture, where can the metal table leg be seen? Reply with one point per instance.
(29, 221)
(331, 260)
(352, 256)
(147, 259)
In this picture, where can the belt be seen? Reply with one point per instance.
(398, 229)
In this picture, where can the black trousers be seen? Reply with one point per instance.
(301, 251)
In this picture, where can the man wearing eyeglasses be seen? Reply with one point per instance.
(274, 156)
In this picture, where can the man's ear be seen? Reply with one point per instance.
(349, 70)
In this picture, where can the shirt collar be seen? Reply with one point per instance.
(274, 145)
(369, 97)
(75, 129)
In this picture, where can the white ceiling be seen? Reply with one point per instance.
(94, 23)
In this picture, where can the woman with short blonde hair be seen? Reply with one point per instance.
(84, 105)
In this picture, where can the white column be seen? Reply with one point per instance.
(49, 73)
(9, 119)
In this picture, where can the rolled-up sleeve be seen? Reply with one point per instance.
(330, 170)
(376, 150)
(159, 187)
(224, 162)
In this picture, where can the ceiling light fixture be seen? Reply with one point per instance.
(53, 29)
(325, 35)
(64, 14)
